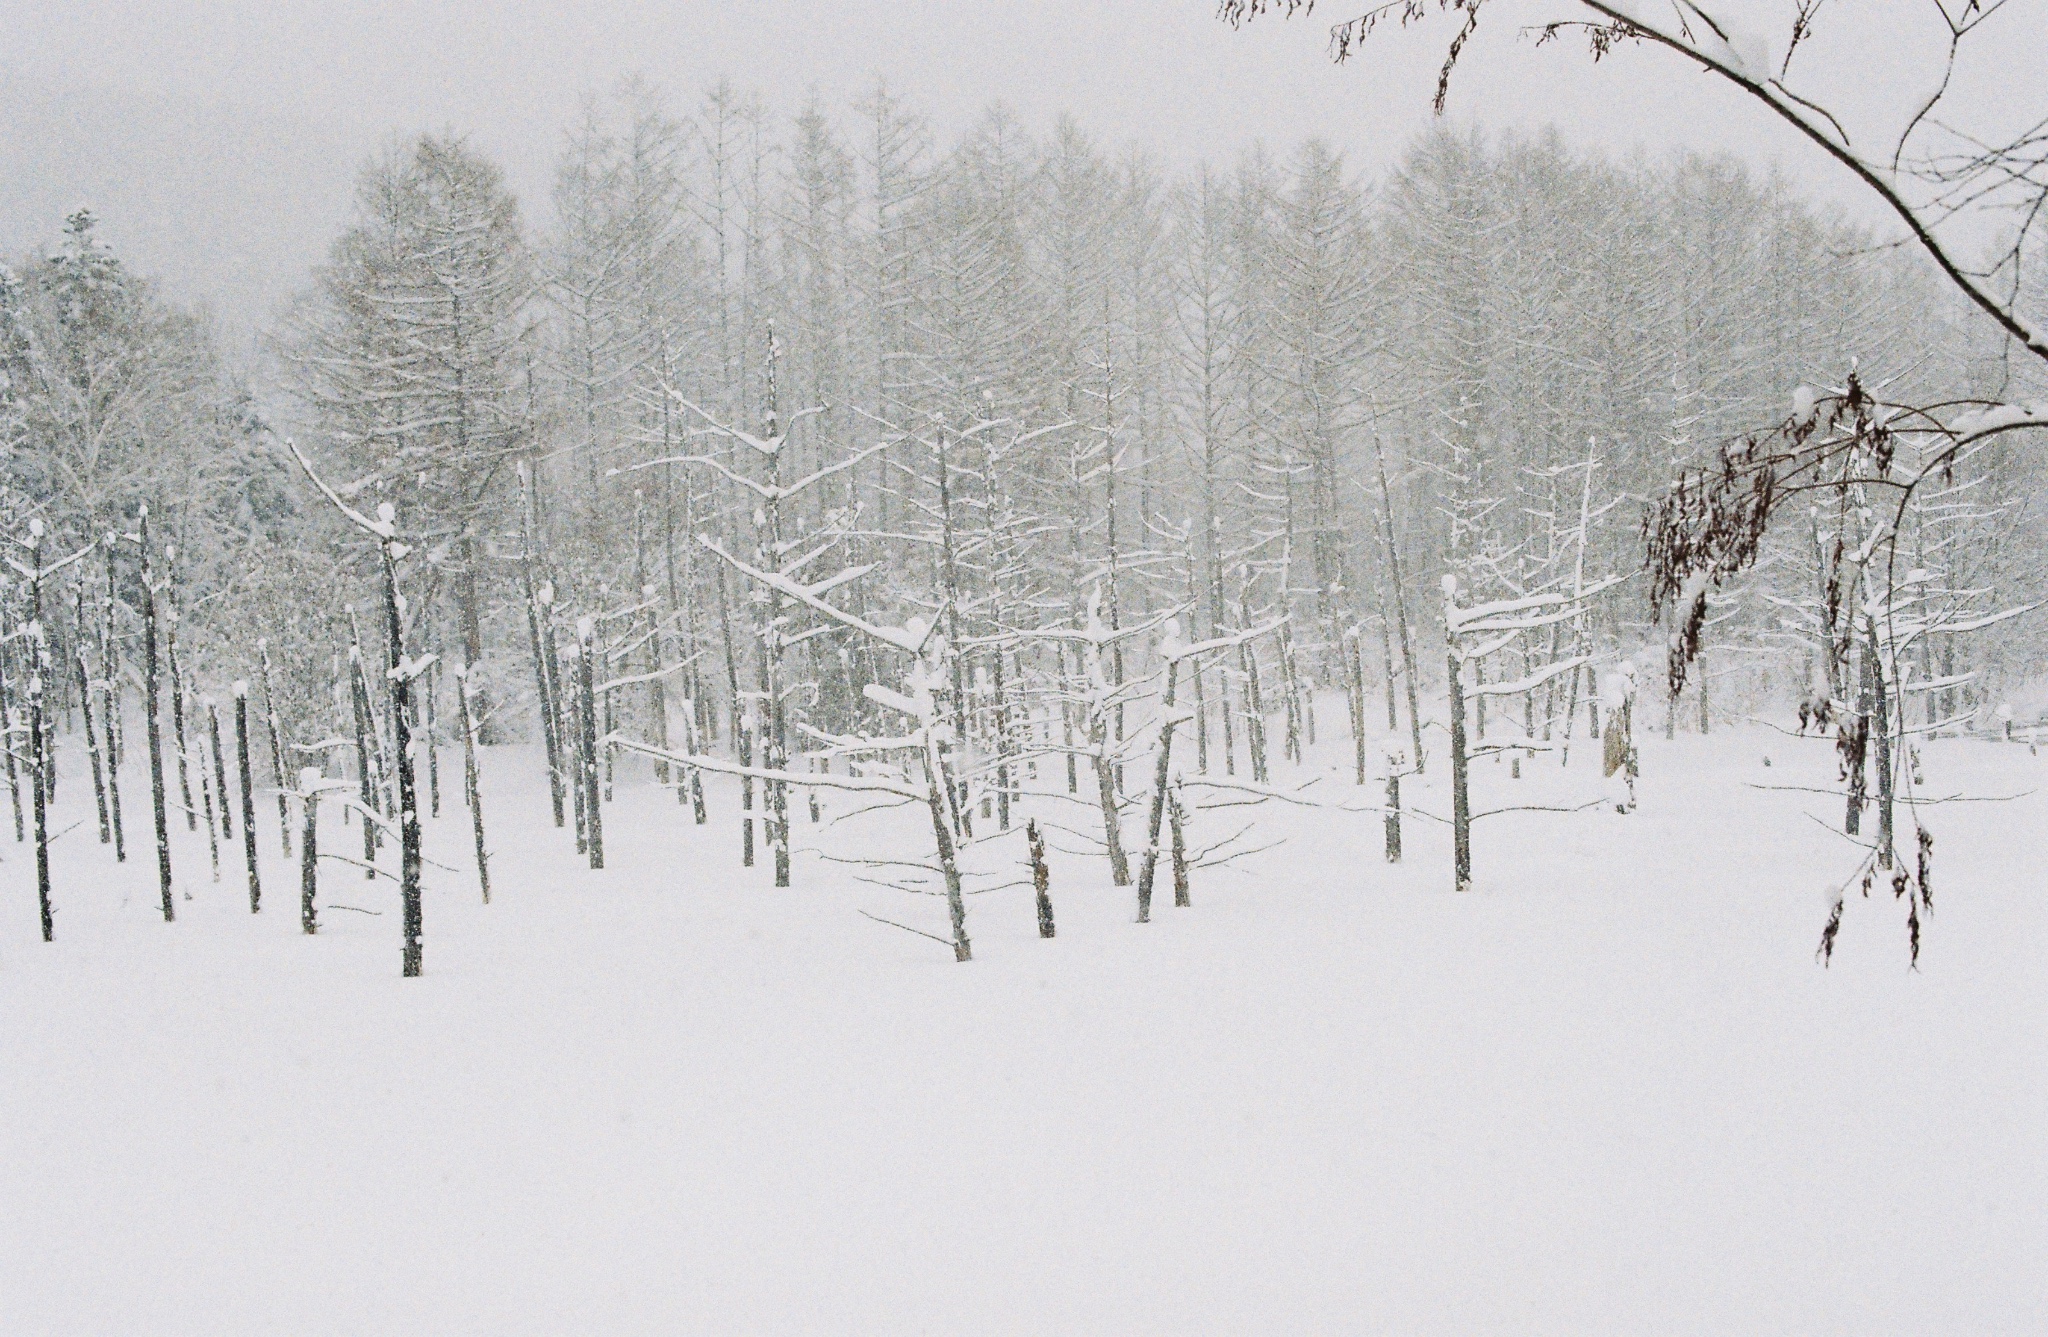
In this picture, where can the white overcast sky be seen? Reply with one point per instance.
(218, 138)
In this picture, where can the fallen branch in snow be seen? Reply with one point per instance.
(1902, 800)
(945, 942)
(370, 868)
(1495, 812)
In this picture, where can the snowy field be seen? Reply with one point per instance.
(1609, 1091)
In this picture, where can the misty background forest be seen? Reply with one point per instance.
(1479, 660)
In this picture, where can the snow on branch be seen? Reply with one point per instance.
(808, 595)
(383, 527)
(1533, 681)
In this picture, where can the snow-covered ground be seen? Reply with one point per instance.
(1607, 1091)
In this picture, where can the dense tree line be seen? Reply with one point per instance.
(1028, 393)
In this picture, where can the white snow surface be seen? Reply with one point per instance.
(1609, 1091)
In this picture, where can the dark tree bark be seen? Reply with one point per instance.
(178, 715)
(1162, 776)
(1041, 877)
(592, 817)
(401, 676)
(220, 770)
(1393, 817)
(1881, 720)
(1461, 807)
(426, 707)
(92, 743)
(206, 806)
(248, 795)
(152, 690)
(110, 733)
(8, 714)
(1177, 818)
(41, 755)
(942, 833)
(469, 784)
(309, 853)
(273, 726)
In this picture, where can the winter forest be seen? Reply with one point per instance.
(1378, 670)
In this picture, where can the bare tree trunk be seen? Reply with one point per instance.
(309, 851)
(109, 731)
(1291, 684)
(1066, 724)
(469, 783)
(1254, 712)
(1105, 790)
(1041, 877)
(942, 833)
(1855, 748)
(206, 804)
(1400, 602)
(541, 638)
(592, 817)
(401, 676)
(426, 707)
(1393, 815)
(248, 796)
(1461, 807)
(745, 734)
(178, 718)
(366, 762)
(41, 754)
(470, 603)
(1358, 745)
(274, 727)
(1002, 742)
(1162, 776)
(153, 689)
(220, 770)
(1176, 816)
(92, 742)
(15, 722)
(1882, 719)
